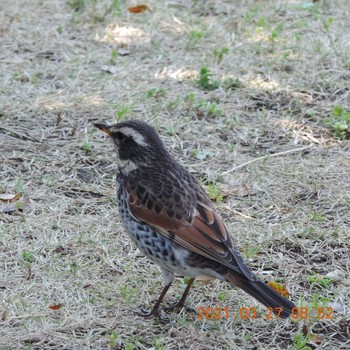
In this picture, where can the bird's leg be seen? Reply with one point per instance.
(181, 302)
(155, 310)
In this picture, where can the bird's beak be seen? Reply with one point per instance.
(104, 127)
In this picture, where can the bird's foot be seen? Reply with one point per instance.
(156, 313)
(179, 306)
(147, 313)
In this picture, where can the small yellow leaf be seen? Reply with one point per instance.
(279, 288)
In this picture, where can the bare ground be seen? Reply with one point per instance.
(69, 276)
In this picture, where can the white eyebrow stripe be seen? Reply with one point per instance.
(138, 138)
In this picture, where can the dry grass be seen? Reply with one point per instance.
(60, 70)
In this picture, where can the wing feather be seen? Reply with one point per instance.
(199, 229)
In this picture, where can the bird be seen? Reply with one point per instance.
(172, 221)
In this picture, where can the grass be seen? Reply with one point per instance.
(339, 122)
(205, 80)
(224, 83)
(213, 191)
(220, 53)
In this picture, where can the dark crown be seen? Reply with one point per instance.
(137, 140)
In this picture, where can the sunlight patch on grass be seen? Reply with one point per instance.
(122, 35)
(176, 74)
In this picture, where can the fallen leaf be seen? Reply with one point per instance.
(4, 315)
(9, 198)
(138, 9)
(55, 307)
(243, 191)
(123, 52)
(337, 306)
(279, 288)
(9, 208)
(110, 69)
(316, 339)
(15, 206)
(305, 330)
(335, 275)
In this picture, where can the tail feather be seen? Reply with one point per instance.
(266, 295)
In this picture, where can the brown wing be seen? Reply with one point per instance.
(194, 224)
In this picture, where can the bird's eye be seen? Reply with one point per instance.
(120, 136)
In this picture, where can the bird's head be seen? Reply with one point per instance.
(136, 142)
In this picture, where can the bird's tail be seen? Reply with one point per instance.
(266, 295)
